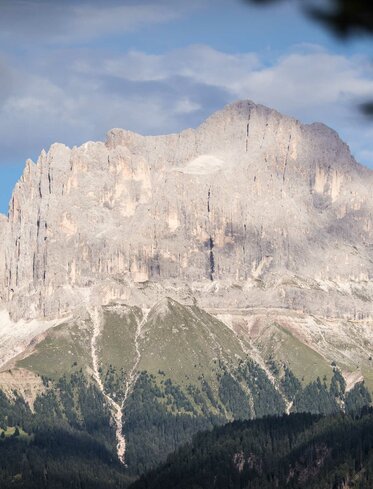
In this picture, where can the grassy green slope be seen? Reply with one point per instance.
(280, 345)
(116, 345)
(194, 375)
(117, 341)
(186, 343)
(64, 350)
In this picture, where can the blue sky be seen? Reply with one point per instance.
(70, 71)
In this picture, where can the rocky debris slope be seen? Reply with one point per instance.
(251, 208)
(16, 337)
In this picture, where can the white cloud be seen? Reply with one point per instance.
(88, 22)
(200, 63)
(81, 96)
(70, 21)
(306, 83)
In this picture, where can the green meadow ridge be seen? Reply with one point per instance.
(193, 373)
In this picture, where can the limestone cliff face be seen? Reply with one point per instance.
(250, 208)
(3, 239)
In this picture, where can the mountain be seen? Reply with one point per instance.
(250, 209)
(297, 451)
(171, 284)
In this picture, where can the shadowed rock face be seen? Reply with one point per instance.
(251, 208)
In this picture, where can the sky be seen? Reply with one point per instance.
(71, 70)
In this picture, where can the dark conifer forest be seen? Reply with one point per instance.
(293, 451)
(67, 441)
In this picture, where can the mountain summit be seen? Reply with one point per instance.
(251, 208)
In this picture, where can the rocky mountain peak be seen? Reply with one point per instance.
(228, 210)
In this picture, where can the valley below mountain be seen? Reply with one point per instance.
(155, 287)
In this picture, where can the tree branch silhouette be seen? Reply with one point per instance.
(344, 18)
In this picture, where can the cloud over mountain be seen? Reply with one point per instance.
(72, 96)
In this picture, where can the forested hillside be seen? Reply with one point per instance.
(299, 451)
(66, 442)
